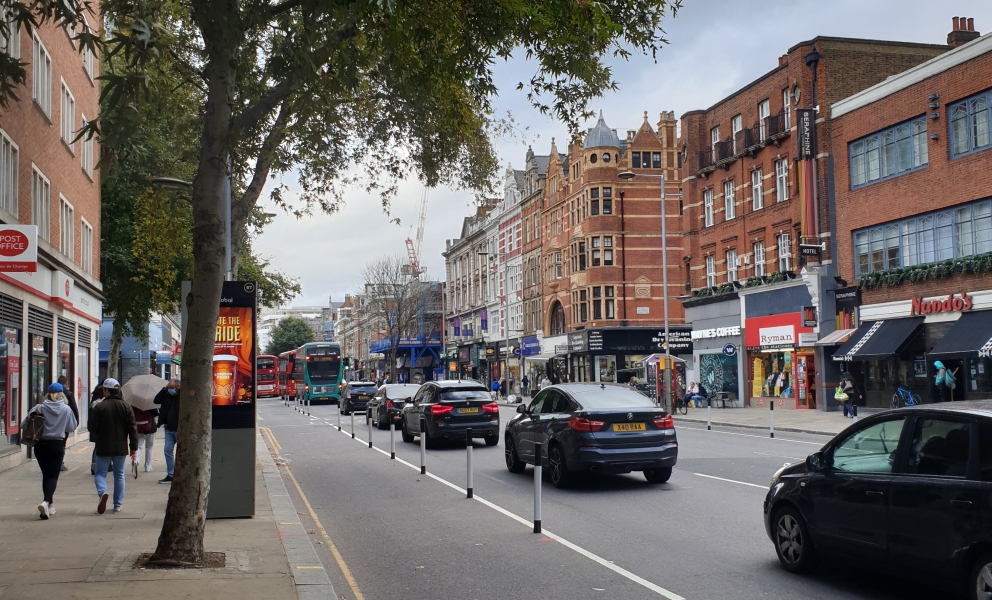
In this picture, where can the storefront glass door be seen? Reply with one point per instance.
(10, 372)
(40, 372)
(82, 387)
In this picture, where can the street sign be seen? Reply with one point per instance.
(19, 248)
(811, 250)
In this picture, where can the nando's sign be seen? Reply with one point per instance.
(952, 303)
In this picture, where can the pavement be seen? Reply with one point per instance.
(785, 420)
(78, 554)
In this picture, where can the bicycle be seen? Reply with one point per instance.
(682, 406)
(903, 397)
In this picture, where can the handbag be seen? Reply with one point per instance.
(840, 395)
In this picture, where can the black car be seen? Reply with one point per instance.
(906, 491)
(355, 396)
(592, 428)
(450, 408)
(385, 406)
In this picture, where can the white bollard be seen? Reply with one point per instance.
(368, 421)
(392, 439)
(423, 445)
(352, 413)
(468, 462)
(339, 414)
(708, 403)
(771, 417)
(537, 488)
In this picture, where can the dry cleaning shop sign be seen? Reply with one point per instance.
(952, 303)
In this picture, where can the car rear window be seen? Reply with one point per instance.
(364, 389)
(613, 397)
(454, 395)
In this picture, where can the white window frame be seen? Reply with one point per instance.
(764, 109)
(781, 180)
(784, 257)
(41, 76)
(89, 60)
(714, 139)
(86, 246)
(67, 117)
(12, 43)
(735, 128)
(729, 210)
(731, 266)
(67, 222)
(758, 248)
(708, 208)
(787, 108)
(710, 271)
(86, 150)
(757, 194)
(41, 207)
(9, 164)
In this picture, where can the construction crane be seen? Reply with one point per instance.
(413, 245)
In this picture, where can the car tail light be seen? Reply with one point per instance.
(389, 404)
(664, 422)
(492, 407)
(583, 424)
(441, 409)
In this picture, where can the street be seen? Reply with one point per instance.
(404, 535)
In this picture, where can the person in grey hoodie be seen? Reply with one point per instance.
(50, 449)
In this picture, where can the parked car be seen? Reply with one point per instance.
(450, 408)
(385, 405)
(355, 396)
(906, 491)
(592, 428)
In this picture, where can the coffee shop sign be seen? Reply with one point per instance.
(952, 303)
(716, 332)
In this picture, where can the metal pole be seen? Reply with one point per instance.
(423, 445)
(339, 414)
(771, 417)
(369, 423)
(708, 403)
(392, 439)
(352, 413)
(664, 296)
(537, 488)
(309, 402)
(468, 462)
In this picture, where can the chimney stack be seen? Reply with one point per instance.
(962, 31)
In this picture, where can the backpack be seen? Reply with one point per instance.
(34, 424)
(143, 419)
(949, 380)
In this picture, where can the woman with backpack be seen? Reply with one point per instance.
(48, 438)
(146, 422)
(944, 380)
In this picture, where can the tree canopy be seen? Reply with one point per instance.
(289, 334)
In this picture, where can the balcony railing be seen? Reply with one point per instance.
(776, 126)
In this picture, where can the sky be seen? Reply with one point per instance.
(715, 47)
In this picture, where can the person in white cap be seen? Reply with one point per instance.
(112, 424)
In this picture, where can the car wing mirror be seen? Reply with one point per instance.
(816, 461)
(522, 409)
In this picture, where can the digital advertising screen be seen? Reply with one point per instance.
(233, 395)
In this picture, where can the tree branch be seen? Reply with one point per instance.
(288, 5)
(253, 115)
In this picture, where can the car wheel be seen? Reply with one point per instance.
(492, 440)
(560, 477)
(513, 462)
(406, 435)
(379, 422)
(658, 475)
(792, 542)
(981, 578)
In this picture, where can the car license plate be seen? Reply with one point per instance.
(362, 396)
(628, 427)
(468, 411)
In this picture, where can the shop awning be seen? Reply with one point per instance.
(877, 339)
(837, 337)
(970, 336)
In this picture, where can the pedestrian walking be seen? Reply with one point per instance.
(945, 382)
(168, 419)
(525, 382)
(502, 388)
(71, 401)
(145, 422)
(112, 424)
(849, 387)
(545, 382)
(59, 422)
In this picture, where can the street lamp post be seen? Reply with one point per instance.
(664, 269)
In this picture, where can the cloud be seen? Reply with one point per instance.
(716, 47)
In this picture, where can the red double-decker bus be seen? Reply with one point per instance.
(287, 386)
(267, 385)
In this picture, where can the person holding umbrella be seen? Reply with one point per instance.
(140, 392)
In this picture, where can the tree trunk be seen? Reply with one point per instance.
(181, 540)
(114, 357)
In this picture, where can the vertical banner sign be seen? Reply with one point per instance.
(806, 153)
(233, 396)
(805, 121)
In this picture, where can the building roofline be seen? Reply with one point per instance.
(934, 66)
(736, 92)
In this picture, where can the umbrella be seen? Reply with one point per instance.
(139, 391)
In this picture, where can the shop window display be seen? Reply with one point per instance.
(718, 373)
(772, 375)
(10, 353)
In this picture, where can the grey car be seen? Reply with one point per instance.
(384, 408)
(450, 408)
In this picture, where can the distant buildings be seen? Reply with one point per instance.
(320, 319)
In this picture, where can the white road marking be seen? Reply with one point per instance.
(756, 436)
(779, 455)
(580, 550)
(762, 487)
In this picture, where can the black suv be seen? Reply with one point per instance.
(907, 490)
(355, 396)
(450, 408)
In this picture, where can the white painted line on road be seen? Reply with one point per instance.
(593, 557)
(762, 437)
(778, 455)
(762, 487)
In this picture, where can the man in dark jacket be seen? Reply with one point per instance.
(168, 419)
(112, 424)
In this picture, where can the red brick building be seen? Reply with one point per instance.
(49, 317)
(751, 200)
(913, 181)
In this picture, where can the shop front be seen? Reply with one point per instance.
(717, 340)
(611, 354)
(781, 359)
(898, 343)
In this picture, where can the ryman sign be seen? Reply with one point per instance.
(783, 335)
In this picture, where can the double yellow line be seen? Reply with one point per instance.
(345, 571)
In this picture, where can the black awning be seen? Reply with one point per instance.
(878, 339)
(971, 336)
